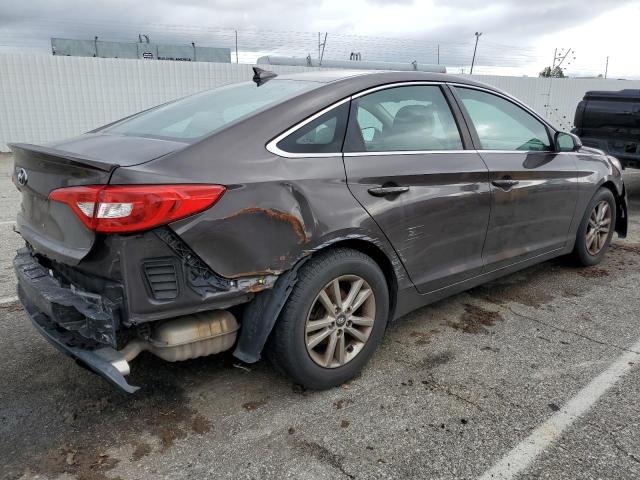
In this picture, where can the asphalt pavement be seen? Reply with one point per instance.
(533, 376)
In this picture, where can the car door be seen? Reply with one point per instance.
(406, 163)
(534, 188)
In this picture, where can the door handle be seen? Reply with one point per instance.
(505, 184)
(383, 191)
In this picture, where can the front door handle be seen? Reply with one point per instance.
(384, 191)
(505, 184)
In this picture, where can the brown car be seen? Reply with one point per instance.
(298, 214)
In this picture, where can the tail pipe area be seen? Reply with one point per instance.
(178, 339)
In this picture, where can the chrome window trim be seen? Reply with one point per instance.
(405, 152)
(272, 146)
(516, 151)
(394, 85)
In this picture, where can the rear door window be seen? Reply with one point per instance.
(411, 118)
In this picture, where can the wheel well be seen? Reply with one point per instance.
(381, 259)
(610, 185)
(619, 227)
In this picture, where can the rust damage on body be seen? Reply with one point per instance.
(295, 222)
(257, 282)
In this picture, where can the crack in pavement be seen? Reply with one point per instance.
(614, 439)
(622, 449)
(323, 454)
(571, 332)
(443, 388)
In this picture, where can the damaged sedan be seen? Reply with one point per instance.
(295, 216)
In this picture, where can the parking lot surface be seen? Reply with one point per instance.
(456, 391)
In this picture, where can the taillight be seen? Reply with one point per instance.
(133, 208)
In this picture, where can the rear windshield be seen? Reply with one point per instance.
(207, 112)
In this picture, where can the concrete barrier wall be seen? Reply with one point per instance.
(45, 98)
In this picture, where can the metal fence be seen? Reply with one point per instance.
(45, 98)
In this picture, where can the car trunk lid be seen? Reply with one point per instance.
(52, 228)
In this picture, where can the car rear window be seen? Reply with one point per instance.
(207, 112)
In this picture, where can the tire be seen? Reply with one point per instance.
(584, 251)
(289, 346)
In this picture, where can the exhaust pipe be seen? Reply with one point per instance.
(180, 338)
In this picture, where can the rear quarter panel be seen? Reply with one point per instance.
(276, 210)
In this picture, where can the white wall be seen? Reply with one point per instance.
(45, 98)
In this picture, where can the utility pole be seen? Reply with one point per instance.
(236, 32)
(438, 54)
(560, 58)
(473, 60)
(321, 45)
(606, 68)
(322, 53)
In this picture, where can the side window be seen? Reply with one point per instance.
(412, 118)
(502, 125)
(325, 134)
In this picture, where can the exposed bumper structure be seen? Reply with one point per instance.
(76, 323)
(92, 316)
(106, 362)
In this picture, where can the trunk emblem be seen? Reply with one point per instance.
(22, 176)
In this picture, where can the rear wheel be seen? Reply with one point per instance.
(333, 321)
(596, 229)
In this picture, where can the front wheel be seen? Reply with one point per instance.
(596, 229)
(333, 321)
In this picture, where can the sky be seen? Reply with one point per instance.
(519, 37)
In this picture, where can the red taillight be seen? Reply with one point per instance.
(132, 208)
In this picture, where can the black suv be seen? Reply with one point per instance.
(610, 121)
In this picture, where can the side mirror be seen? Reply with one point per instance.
(567, 142)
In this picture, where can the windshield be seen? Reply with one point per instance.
(207, 112)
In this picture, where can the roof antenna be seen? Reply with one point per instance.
(261, 76)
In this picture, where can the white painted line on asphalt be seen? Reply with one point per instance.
(4, 301)
(521, 456)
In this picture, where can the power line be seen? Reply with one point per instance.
(248, 44)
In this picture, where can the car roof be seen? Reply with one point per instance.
(323, 76)
(383, 76)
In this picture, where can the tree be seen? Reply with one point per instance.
(555, 73)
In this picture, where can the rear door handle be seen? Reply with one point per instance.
(383, 191)
(505, 184)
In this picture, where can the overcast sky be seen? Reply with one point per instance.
(519, 36)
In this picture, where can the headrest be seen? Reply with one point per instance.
(413, 117)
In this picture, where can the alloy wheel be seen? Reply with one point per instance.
(598, 227)
(340, 321)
